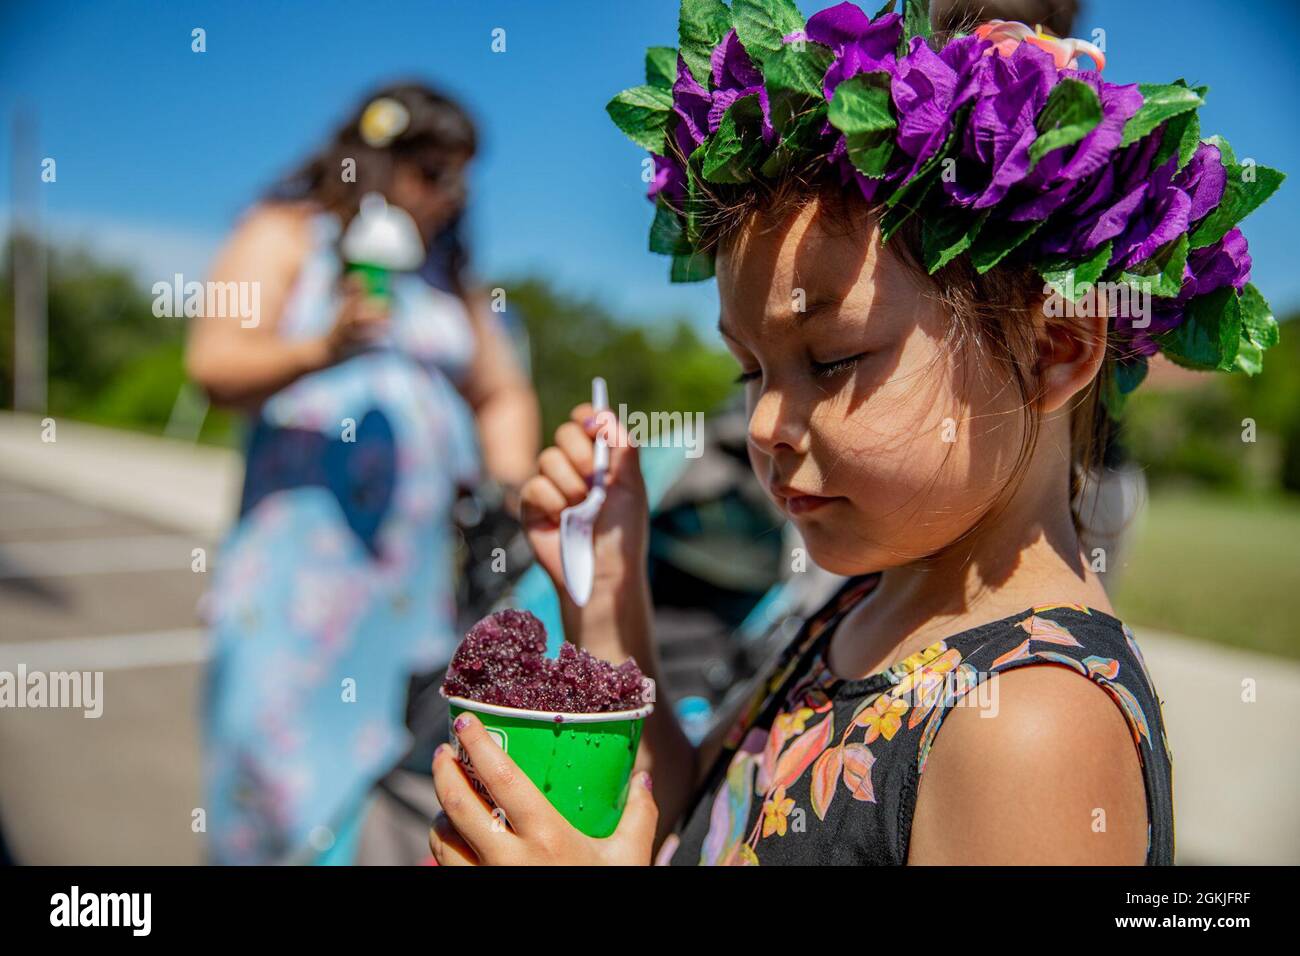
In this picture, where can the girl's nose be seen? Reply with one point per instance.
(774, 425)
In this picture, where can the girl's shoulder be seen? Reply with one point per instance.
(1061, 746)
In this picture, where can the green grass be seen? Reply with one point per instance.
(1216, 567)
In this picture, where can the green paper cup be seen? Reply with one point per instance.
(581, 762)
(376, 280)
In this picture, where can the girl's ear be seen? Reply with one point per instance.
(1071, 347)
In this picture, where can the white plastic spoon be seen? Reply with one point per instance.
(577, 523)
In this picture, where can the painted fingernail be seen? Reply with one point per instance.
(439, 749)
(589, 421)
(647, 782)
(460, 723)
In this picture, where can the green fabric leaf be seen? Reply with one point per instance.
(904, 208)
(641, 113)
(701, 25)
(731, 154)
(797, 141)
(1182, 133)
(1247, 187)
(1160, 102)
(1119, 381)
(1162, 274)
(667, 235)
(887, 8)
(661, 67)
(1072, 279)
(1210, 334)
(1072, 112)
(791, 68)
(862, 104)
(760, 25)
(870, 152)
(916, 23)
(1250, 357)
(946, 235)
(997, 241)
(1257, 318)
(692, 268)
(696, 204)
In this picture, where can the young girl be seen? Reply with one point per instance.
(924, 411)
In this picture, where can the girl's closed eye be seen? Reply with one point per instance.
(831, 369)
(744, 377)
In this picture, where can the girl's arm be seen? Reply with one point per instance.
(505, 408)
(1047, 776)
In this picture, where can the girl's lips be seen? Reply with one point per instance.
(803, 504)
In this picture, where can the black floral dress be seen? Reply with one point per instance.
(825, 771)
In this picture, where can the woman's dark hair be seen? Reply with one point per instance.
(440, 132)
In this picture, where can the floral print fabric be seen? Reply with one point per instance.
(822, 770)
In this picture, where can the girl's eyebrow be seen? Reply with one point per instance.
(801, 316)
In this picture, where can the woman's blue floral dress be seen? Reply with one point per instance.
(336, 583)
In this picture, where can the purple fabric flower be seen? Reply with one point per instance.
(669, 179)
(1106, 202)
(699, 111)
(1210, 268)
(1164, 216)
(927, 89)
(1058, 176)
(734, 77)
(1203, 179)
(1000, 130)
(860, 44)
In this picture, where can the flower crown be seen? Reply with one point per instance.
(998, 142)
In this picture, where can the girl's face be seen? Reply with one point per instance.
(880, 444)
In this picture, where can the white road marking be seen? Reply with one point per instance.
(43, 559)
(109, 652)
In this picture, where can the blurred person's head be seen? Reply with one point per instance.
(408, 142)
(1058, 16)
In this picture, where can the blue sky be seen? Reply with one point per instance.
(159, 148)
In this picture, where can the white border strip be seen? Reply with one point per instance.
(546, 716)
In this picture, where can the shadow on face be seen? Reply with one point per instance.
(858, 391)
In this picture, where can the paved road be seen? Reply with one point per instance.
(83, 587)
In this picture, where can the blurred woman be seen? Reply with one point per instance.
(336, 583)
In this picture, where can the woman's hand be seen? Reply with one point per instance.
(524, 830)
(565, 478)
(360, 321)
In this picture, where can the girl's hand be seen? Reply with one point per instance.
(361, 320)
(470, 833)
(565, 474)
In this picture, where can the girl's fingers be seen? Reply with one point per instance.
(636, 829)
(449, 847)
(555, 465)
(525, 807)
(467, 812)
(541, 501)
(571, 439)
